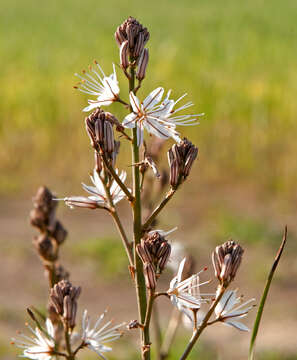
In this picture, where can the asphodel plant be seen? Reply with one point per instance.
(150, 122)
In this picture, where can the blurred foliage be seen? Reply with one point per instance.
(106, 253)
(236, 60)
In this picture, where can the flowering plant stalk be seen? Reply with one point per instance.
(149, 251)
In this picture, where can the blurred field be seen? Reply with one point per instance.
(237, 62)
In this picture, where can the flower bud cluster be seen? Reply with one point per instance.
(226, 260)
(181, 157)
(154, 251)
(99, 126)
(63, 297)
(52, 232)
(131, 37)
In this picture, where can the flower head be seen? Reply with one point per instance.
(40, 346)
(185, 294)
(228, 311)
(98, 198)
(105, 88)
(95, 337)
(157, 118)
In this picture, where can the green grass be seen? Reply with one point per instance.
(236, 60)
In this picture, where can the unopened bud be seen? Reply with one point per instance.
(135, 35)
(180, 158)
(124, 51)
(142, 65)
(108, 138)
(150, 276)
(226, 260)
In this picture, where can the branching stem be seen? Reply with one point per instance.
(204, 324)
(158, 209)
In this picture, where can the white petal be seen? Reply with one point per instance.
(238, 325)
(129, 121)
(91, 106)
(134, 103)
(180, 270)
(153, 98)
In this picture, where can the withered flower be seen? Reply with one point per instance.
(226, 260)
(181, 158)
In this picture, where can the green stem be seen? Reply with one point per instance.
(137, 228)
(204, 324)
(264, 296)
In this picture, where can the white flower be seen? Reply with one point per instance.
(157, 118)
(98, 197)
(105, 88)
(39, 346)
(95, 338)
(228, 312)
(186, 294)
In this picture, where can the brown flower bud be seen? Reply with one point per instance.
(181, 158)
(149, 276)
(226, 260)
(45, 248)
(124, 51)
(142, 65)
(63, 297)
(135, 35)
(154, 249)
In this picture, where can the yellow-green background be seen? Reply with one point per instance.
(237, 62)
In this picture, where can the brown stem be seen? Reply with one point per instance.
(117, 178)
(158, 209)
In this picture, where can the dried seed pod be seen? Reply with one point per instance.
(59, 233)
(45, 248)
(226, 260)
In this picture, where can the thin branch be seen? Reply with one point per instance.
(198, 332)
(126, 243)
(117, 178)
(264, 296)
(158, 209)
(115, 216)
